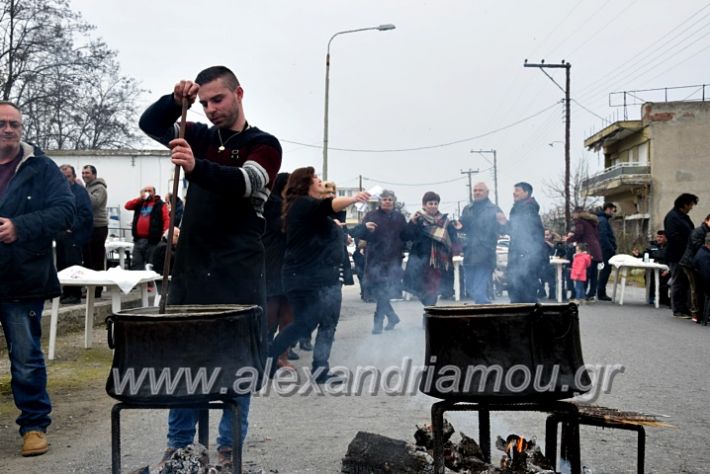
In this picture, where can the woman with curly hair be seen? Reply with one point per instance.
(311, 265)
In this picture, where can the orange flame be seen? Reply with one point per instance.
(520, 445)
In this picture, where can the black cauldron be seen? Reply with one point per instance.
(503, 353)
(189, 354)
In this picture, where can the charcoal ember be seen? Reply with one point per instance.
(452, 456)
(376, 454)
(192, 459)
(468, 447)
(537, 460)
(424, 435)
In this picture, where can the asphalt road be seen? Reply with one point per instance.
(665, 372)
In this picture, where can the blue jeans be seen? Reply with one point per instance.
(579, 289)
(311, 308)
(21, 325)
(182, 421)
(478, 278)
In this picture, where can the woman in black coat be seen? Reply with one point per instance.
(311, 266)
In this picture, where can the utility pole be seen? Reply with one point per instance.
(567, 66)
(495, 170)
(470, 189)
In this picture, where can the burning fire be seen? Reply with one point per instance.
(516, 444)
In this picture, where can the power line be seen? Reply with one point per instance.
(428, 147)
(643, 55)
(412, 184)
(591, 112)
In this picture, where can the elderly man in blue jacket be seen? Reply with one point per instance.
(35, 204)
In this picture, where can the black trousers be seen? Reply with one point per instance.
(604, 275)
(68, 254)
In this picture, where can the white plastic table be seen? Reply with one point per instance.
(115, 279)
(121, 246)
(623, 262)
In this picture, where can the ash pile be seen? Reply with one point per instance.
(192, 459)
(370, 453)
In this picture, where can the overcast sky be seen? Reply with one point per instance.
(450, 71)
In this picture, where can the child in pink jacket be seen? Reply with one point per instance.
(581, 262)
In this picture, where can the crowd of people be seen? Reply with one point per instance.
(252, 235)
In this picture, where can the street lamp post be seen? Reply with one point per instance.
(384, 27)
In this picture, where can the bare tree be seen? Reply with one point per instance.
(579, 196)
(68, 84)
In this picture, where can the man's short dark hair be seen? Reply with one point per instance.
(91, 168)
(527, 187)
(660, 232)
(430, 196)
(608, 205)
(73, 171)
(11, 104)
(685, 199)
(218, 72)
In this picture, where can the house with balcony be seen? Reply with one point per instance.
(649, 162)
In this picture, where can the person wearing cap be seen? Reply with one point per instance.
(526, 253)
(383, 231)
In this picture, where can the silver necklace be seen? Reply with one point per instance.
(222, 143)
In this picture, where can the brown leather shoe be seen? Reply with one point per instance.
(34, 443)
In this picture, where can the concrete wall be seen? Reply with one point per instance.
(680, 156)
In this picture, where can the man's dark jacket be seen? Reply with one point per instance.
(527, 251)
(695, 242)
(701, 264)
(83, 224)
(39, 203)
(385, 249)
(482, 230)
(607, 240)
(678, 227)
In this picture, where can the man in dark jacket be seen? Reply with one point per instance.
(150, 221)
(678, 227)
(527, 252)
(70, 241)
(35, 204)
(220, 256)
(607, 241)
(482, 222)
(695, 243)
(383, 231)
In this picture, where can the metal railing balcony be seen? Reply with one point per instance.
(619, 170)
